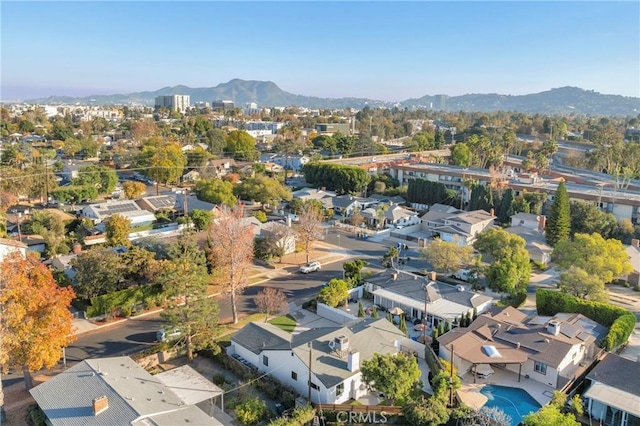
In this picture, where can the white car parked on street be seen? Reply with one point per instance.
(310, 267)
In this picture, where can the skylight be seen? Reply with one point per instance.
(491, 351)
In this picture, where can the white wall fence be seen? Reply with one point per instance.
(333, 314)
(411, 346)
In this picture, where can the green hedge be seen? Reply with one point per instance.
(123, 300)
(619, 320)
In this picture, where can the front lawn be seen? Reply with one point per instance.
(285, 322)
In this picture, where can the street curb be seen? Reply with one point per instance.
(120, 321)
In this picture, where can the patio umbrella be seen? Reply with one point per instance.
(396, 311)
(420, 327)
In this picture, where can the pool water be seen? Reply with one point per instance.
(515, 402)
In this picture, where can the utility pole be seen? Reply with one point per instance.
(310, 361)
(46, 181)
(451, 380)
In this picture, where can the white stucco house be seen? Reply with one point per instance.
(413, 294)
(332, 353)
(613, 395)
(549, 350)
(10, 246)
(452, 225)
(128, 208)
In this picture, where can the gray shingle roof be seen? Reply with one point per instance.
(618, 372)
(132, 393)
(257, 337)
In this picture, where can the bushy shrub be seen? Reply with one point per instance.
(299, 417)
(250, 411)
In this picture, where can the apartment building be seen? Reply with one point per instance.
(174, 102)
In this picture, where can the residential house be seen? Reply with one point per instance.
(634, 257)
(394, 216)
(191, 176)
(34, 243)
(333, 354)
(289, 162)
(62, 262)
(219, 168)
(117, 391)
(72, 167)
(549, 350)
(455, 225)
(613, 394)
(415, 294)
(306, 194)
(345, 205)
(127, 208)
(286, 242)
(531, 228)
(10, 246)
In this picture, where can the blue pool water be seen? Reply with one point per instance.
(515, 402)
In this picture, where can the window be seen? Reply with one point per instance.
(294, 375)
(539, 367)
(313, 386)
(265, 360)
(340, 389)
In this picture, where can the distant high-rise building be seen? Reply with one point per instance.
(222, 106)
(174, 102)
(441, 102)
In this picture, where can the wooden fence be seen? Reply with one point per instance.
(393, 410)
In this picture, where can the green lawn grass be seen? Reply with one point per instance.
(285, 322)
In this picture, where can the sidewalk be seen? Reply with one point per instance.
(330, 254)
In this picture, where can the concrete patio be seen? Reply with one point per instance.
(539, 391)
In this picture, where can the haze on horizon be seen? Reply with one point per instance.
(378, 50)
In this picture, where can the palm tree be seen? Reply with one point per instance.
(381, 213)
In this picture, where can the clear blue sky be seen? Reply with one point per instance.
(381, 50)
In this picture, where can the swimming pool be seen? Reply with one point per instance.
(515, 402)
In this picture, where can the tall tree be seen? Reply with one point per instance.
(133, 190)
(216, 191)
(98, 272)
(117, 231)
(604, 259)
(334, 293)
(262, 189)
(100, 177)
(559, 224)
(506, 206)
(271, 301)
(447, 256)
(162, 161)
(185, 279)
(550, 415)
(511, 270)
(241, 145)
(310, 227)
(231, 251)
(35, 319)
(579, 283)
(587, 218)
(395, 375)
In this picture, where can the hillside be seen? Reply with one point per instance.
(564, 100)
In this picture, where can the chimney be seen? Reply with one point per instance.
(100, 404)
(353, 361)
(518, 345)
(542, 222)
(492, 212)
(553, 327)
(434, 276)
(635, 243)
(394, 276)
(77, 248)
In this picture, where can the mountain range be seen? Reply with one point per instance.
(563, 100)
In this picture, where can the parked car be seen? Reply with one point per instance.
(465, 275)
(163, 335)
(310, 267)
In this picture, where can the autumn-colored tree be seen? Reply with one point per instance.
(35, 319)
(184, 278)
(310, 228)
(133, 189)
(117, 231)
(271, 301)
(231, 251)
